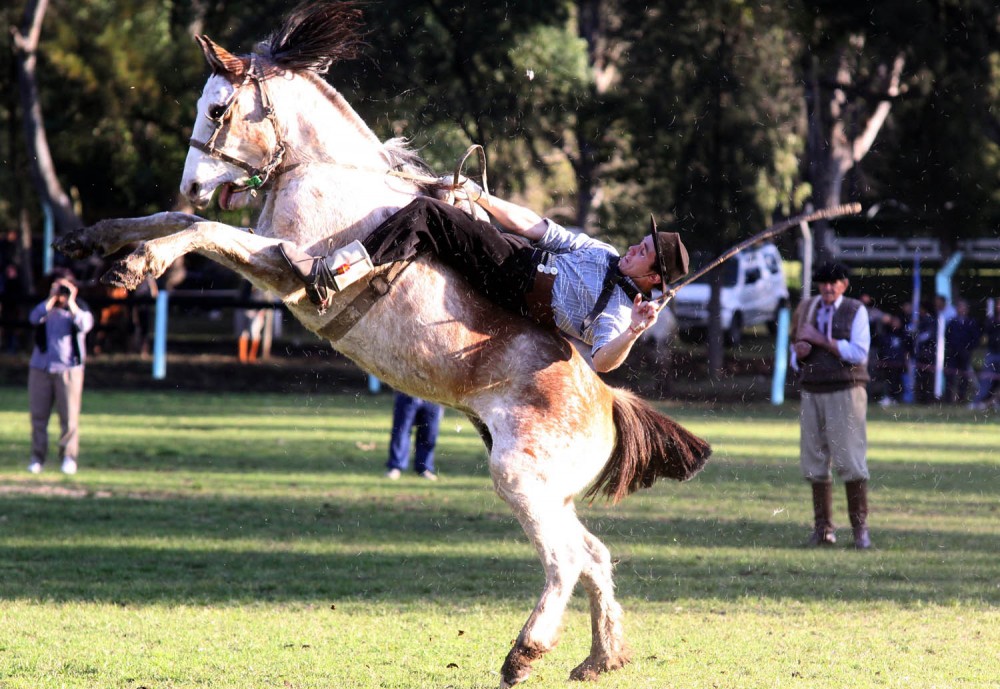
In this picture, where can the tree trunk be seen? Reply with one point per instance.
(715, 339)
(841, 128)
(42, 169)
(602, 54)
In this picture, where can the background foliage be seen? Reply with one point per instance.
(595, 111)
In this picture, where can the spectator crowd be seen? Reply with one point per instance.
(904, 343)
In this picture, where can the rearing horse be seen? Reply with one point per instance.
(268, 121)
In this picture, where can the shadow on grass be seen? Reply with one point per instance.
(219, 551)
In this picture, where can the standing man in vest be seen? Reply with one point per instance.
(830, 351)
(55, 374)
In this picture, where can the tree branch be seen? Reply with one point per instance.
(864, 142)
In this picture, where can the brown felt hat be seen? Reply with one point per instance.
(671, 254)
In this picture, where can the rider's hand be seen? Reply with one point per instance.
(466, 191)
(644, 315)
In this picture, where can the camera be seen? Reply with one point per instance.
(63, 291)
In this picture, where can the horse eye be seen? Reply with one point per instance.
(216, 112)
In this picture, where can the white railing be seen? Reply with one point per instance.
(862, 249)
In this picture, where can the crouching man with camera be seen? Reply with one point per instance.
(55, 375)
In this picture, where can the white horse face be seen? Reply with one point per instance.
(246, 135)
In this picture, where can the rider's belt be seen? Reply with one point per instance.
(538, 298)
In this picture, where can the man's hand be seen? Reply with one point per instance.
(613, 354)
(810, 335)
(644, 314)
(802, 349)
(467, 191)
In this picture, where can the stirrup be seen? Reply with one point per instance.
(324, 276)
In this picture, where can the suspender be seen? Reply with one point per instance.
(612, 278)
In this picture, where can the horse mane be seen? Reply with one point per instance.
(401, 157)
(315, 35)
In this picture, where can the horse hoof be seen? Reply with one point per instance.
(517, 667)
(590, 669)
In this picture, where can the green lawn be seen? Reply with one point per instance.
(251, 541)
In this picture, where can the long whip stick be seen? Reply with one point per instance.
(772, 231)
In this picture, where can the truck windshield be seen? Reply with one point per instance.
(730, 272)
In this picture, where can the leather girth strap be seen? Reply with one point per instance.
(377, 285)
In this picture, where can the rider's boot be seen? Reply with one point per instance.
(324, 276)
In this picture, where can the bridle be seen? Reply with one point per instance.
(257, 175)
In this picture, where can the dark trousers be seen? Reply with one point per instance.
(409, 413)
(890, 372)
(498, 264)
(957, 373)
(989, 377)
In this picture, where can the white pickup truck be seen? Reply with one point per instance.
(753, 290)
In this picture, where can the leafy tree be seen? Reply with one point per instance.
(715, 129)
(917, 77)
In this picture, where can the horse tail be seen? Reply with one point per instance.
(650, 445)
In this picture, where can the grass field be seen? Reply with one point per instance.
(251, 541)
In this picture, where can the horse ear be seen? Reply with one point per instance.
(221, 60)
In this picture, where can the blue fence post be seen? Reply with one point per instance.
(942, 285)
(780, 357)
(160, 337)
(910, 376)
(48, 253)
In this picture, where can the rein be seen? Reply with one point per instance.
(772, 231)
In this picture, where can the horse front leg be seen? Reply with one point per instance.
(254, 257)
(108, 236)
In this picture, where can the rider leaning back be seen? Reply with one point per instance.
(536, 268)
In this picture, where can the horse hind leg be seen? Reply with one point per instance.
(607, 650)
(551, 523)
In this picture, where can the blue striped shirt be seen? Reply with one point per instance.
(582, 262)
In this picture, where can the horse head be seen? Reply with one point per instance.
(238, 143)
(235, 142)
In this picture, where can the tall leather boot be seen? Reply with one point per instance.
(823, 531)
(857, 510)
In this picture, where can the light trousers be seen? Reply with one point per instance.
(60, 391)
(834, 433)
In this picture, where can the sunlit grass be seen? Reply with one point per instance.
(251, 541)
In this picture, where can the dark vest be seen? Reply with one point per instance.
(822, 371)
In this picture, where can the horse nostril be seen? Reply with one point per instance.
(193, 189)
